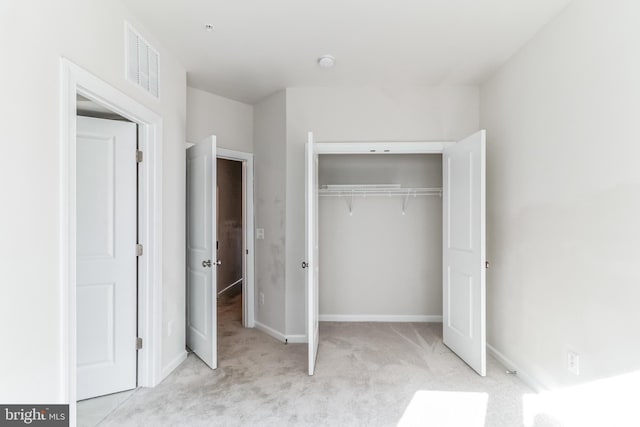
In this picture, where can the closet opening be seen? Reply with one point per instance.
(380, 228)
(377, 268)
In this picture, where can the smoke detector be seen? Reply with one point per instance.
(326, 61)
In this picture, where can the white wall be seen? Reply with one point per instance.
(359, 114)
(270, 180)
(230, 121)
(377, 261)
(564, 196)
(33, 37)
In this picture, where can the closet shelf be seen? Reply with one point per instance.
(348, 192)
(377, 190)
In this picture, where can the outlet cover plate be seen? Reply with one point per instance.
(573, 362)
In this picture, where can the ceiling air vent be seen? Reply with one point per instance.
(142, 62)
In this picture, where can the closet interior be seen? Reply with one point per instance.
(380, 233)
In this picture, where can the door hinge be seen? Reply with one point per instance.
(139, 156)
(138, 343)
(139, 249)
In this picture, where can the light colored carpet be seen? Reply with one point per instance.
(368, 374)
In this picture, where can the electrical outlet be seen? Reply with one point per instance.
(573, 362)
(259, 233)
(261, 298)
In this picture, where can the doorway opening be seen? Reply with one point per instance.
(107, 269)
(229, 246)
(107, 229)
(246, 243)
(219, 236)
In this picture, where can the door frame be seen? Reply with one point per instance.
(76, 80)
(248, 244)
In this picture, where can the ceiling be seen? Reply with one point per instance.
(260, 46)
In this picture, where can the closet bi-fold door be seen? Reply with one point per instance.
(464, 250)
(312, 262)
(201, 252)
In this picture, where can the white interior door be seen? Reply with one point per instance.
(106, 303)
(312, 261)
(464, 250)
(201, 242)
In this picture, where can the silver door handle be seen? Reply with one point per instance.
(305, 264)
(206, 263)
(218, 262)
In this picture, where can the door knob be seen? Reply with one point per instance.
(305, 264)
(218, 262)
(206, 263)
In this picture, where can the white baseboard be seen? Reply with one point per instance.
(171, 366)
(301, 338)
(270, 331)
(296, 339)
(526, 378)
(293, 339)
(380, 318)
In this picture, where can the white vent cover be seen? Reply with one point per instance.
(142, 62)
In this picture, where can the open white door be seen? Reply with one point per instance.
(201, 244)
(312, 262)
(106, 256)
(464, 324)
